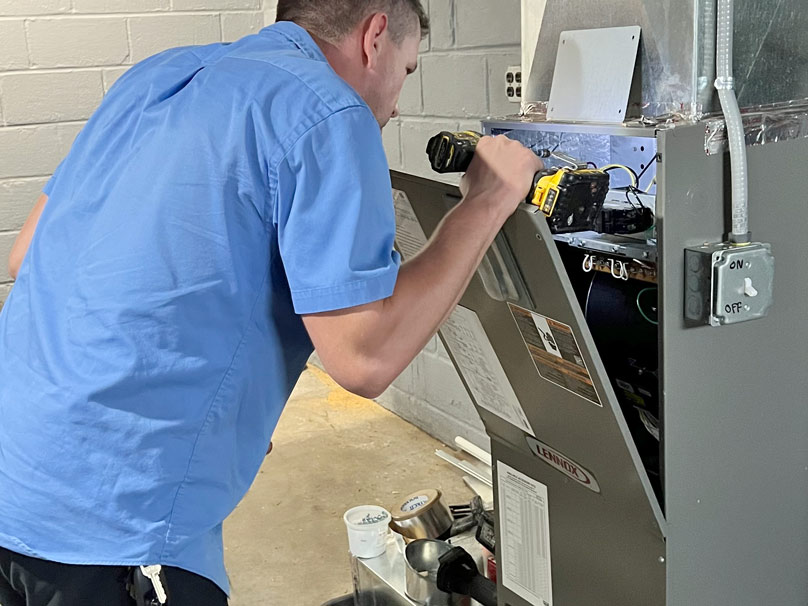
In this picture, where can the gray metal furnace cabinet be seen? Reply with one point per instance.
(586, 515)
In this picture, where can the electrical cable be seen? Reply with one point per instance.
(645, 170)
(634, 191)
(647, 166)
(623, 271)
(630, 171)
(640, 309)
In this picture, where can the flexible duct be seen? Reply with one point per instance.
(725, 85)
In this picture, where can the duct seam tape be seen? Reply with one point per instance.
(422, 515)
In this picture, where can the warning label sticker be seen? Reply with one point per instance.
(524, 550)
(555, 352)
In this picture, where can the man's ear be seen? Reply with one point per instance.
(374, 28)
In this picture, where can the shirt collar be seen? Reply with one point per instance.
(298, 36)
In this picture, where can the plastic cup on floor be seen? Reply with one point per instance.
(367, 530)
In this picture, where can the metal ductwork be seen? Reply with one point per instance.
(677, 52)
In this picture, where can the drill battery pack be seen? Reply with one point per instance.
(571, 199)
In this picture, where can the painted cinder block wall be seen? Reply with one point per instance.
(57, 60)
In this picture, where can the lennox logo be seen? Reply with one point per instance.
(569, 468)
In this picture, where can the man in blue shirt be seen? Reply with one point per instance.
(225, 210)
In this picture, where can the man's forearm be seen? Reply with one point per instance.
(427, 290)
(366, 347)
(430, 285)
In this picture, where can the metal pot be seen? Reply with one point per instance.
(422, 561)
(422, 515)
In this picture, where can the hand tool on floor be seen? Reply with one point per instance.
(570, 197)
(458, 574)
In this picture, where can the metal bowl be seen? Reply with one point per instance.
(422, 558)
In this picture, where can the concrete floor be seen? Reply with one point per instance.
(286, 545)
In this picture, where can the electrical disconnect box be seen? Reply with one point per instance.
(727, 284)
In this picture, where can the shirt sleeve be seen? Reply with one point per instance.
(334, 215)
(52, 181)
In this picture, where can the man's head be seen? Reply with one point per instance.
(372, 44)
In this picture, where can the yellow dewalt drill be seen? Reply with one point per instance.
(571, 198)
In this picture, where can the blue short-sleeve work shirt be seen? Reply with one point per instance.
(153, 335)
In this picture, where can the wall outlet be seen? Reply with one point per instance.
(513, 83)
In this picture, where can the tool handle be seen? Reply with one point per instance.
(483, 590)
(457, 573)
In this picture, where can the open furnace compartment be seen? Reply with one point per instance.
(615, 276)
(622, 316)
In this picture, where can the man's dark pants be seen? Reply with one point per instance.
(26, 581)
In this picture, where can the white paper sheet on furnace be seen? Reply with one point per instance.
(410, 236)
(481, 369)
(523, 551)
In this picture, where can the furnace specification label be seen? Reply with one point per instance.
(481, 369)
(410, 236)
(555, 352)
(524, 546)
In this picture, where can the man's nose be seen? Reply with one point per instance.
(395, 112)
